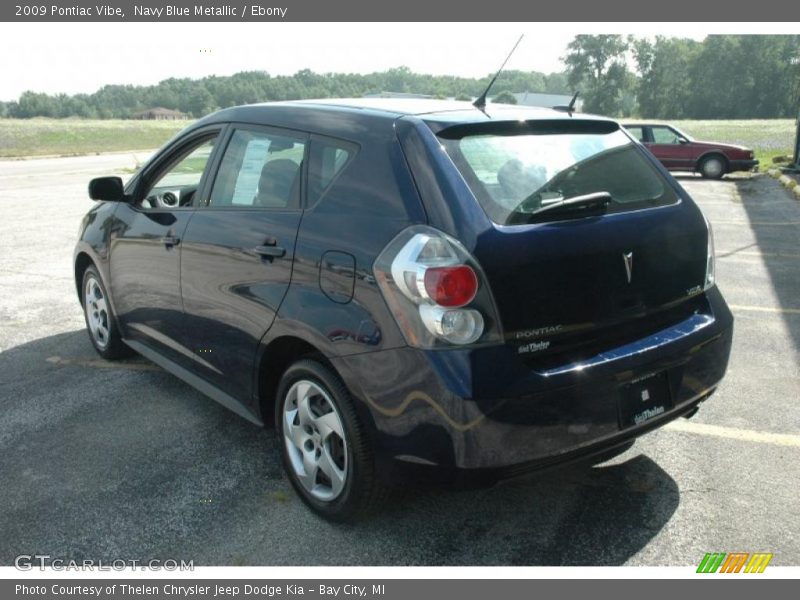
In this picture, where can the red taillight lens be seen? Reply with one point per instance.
(451, 286)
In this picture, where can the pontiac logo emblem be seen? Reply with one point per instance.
(627, 257)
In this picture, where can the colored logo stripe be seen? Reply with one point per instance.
(711, 562)
(733, 562)
(758, 563)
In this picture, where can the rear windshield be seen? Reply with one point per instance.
(517, 170)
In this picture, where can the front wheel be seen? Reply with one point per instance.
(326, 453)
(712, 167)
(100, 321)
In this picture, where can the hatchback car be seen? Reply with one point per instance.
(678, 151)
(411, 290)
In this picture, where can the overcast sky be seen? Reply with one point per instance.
(82, 57)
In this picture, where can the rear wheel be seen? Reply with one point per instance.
(713, 167)
(326, 453)
(100, 322)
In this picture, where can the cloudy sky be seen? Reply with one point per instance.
(82, 57)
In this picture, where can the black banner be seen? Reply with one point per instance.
(385, 589)
(408, 10)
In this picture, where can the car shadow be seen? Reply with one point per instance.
(774, 218)
(122, 460)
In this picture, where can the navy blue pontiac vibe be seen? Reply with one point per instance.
(410, 289)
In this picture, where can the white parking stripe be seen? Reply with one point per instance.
(734, 433)
(769, 309)
(101, 364)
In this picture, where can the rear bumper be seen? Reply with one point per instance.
(743, 165)
(478, 411)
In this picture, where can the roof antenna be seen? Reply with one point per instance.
(480, 103)
(570, 108)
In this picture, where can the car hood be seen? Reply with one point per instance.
(720, 146)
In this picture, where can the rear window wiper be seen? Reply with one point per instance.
(593, 200)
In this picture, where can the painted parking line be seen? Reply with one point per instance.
(97, 363)
(716, 222)
(754, 253)
(767, 309)
(734, 433)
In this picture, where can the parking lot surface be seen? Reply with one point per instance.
(123, 461)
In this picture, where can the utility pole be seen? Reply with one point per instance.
(796, 165)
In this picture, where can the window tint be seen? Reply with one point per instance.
(178, 183)
(636, 132)
(326, 160)
(514, 176)
(664, 135)
(260, 170)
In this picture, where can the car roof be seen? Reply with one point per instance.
(452, 111)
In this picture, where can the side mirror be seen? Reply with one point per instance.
(683, 141)
(109, 189)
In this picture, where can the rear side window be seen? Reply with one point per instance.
(516, 171)
(636, 131)
(260, 170)
(327, 158)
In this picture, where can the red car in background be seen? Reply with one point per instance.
(677, 151)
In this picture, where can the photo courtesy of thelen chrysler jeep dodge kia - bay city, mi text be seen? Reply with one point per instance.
(412, 290)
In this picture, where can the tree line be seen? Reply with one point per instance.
(197, 97)
(723, 76)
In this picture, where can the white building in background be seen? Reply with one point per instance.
(547, 100)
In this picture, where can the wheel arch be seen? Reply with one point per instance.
(83, 260)
(275, 357)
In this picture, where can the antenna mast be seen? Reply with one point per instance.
(481, 101)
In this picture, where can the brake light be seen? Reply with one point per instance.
(451, 286)
(436, 290)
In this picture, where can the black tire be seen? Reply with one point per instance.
(108, 344)
(362, 490)
(713, 166)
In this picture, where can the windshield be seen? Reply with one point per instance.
(515, 176)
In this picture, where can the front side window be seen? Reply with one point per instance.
(260, 170)
(665, 135)
(517, 173)
(176, 186)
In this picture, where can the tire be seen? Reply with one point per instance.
(713, 167)
(326, 452)
(101, 323)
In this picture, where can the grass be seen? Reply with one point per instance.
(44, 137)
(40, 137)
(767, 138)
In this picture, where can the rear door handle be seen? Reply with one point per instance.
(170, 240)
(270, 251)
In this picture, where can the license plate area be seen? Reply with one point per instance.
(643, 400)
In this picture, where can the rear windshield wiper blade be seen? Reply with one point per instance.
(593, 200)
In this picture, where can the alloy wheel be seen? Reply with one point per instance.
(315, 441)
(97, 315)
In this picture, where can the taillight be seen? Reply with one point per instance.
(451, 286)
(436, 290)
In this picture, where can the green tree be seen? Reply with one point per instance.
(504, 97)
(597, 66)
(663, 89)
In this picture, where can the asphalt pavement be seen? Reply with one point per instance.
(123, 461)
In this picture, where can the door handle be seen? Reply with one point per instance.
(270, 251)
(170, 240)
